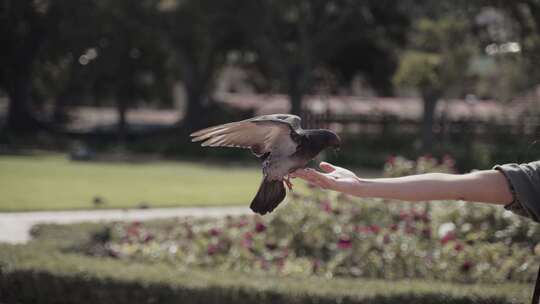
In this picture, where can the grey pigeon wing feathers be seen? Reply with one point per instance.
(262, 134)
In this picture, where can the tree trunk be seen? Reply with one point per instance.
(430, 99)
(20, 118)
(121, 107)
(60, 116)
(295, 89)
(295, 97)
(195, 115)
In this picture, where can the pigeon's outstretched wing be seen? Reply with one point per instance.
(274, 138)
(274, 134)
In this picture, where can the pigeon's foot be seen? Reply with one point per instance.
(287, 181)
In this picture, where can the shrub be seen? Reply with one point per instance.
(331, 235)
(400, 166)
(36, 274)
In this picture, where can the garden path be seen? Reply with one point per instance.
(15, 226)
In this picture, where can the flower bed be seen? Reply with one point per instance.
(331, 235)
(336, 237)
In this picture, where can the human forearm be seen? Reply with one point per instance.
(488, 186)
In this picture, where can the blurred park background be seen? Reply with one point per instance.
(97, 99)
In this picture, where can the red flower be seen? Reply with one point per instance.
(247, 241)
(404, 215)
(344, 242)
(375, 229)
(326, 206)
(242, 222)
(148, 237)
(215, 231)
(410, 229)
(363, 229)
(394, 227)
(426, 232)
(466, 266)
(260, 227)
(421, 216)
(458, 247)
(212, 249)
(450, 236)
(133, 230)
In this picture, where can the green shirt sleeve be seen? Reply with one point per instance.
(524, 182)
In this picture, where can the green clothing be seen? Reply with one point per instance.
(524, 181)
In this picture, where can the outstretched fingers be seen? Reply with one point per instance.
(319, 179)
(327, 167)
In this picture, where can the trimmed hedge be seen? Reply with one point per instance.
(45, 271)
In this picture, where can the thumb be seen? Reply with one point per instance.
(326, 167)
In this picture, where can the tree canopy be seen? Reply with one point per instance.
(125, 53)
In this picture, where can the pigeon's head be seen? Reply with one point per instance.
(330, 139)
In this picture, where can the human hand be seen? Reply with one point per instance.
(335, 178)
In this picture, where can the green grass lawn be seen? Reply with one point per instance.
(53, 182)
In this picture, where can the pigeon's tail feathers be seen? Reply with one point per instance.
(270, 194)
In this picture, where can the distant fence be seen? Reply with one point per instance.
(443, 128)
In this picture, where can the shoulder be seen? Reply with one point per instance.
(524, 183)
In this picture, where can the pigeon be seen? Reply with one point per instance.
(279, 142)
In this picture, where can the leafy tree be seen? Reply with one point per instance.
(198, 35)
(130, 65)
(104, 51)
(22, 33)
(293, 38)
(68, 50)
(58, 75)
(436, 64)
(526, 15)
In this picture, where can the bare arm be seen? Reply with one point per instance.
(488, 186)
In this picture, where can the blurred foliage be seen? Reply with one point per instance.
(522, 23)
(295, 40)
(419, 69)
(331, 235)
(396, 166)
(440, 51)
(45, 271)
(125, 54)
